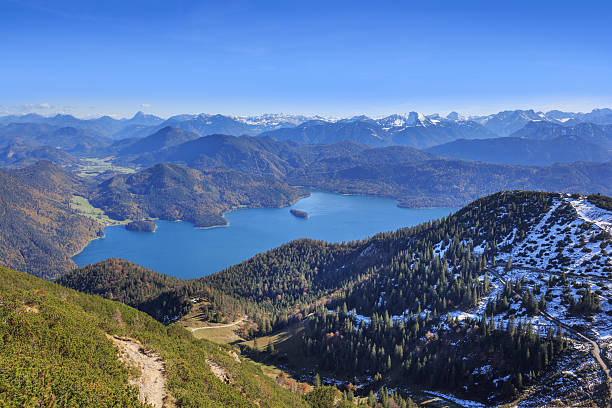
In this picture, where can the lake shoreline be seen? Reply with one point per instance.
(180, 249)
(119, 223)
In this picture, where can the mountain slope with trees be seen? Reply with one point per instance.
(172, 192)
(413, 177)
(39, 232)
(527, 152)
(447, 183)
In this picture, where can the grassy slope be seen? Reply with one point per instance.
(84, 207)
(50, 333)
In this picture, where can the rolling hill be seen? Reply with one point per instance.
(162, 139)
(18, 155)
(173, 192)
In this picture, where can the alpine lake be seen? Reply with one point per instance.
(179, 249)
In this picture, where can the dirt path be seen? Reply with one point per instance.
(237, 322)
(595, 350)
(151, 383)
(218, 371)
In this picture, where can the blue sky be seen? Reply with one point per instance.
(330, 58)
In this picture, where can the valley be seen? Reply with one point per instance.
(448, 275)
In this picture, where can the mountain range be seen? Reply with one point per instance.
(412, 129)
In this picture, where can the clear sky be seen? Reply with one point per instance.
(330, 58)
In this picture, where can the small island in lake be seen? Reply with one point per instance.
(299, 213)
(144, 226)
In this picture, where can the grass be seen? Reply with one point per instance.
(84, 207)
(95, 166)
(288, 350)
(283, 340)
(220, 335)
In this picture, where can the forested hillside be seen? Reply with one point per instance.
(439, 183)
(17, 155)
(598, 134)
(415, 178)
(38, 230)
(173, 192)
(435, 306)
(163, 297)
(528, 152)
(212, 175)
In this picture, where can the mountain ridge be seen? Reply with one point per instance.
(524, 151)
(404, 126)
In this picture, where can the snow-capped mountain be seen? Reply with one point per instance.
(275, 120)
(507, 122)
(401, 121)
(410, 129)
(455, 117)
(413, 129)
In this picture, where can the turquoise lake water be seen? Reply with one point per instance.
(179, 249)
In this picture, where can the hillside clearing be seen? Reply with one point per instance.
(84, 207)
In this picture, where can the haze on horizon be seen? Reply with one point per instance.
(342, 59)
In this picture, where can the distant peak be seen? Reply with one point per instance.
(454, 116)
(415, 118)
